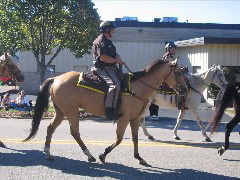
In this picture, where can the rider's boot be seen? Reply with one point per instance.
(112, 113)
(109, 111)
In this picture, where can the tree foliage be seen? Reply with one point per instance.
(41, 26)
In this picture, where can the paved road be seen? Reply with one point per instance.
(190, 158)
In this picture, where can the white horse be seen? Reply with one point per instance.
(198, 83)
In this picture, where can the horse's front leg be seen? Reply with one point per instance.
(229, 128)
(179, 121)
(134, 124)
(121, 127)
(195, 114)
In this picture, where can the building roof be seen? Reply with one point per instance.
(207, 40)
(177, 25)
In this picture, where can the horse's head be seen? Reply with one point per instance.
(175, 78)
(217, 76)
(8, 67)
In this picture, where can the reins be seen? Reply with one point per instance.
(139, 97)
(205, 83)
(145, 101)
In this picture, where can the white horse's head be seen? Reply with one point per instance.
(216, 76)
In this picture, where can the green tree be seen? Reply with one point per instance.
(41, 26)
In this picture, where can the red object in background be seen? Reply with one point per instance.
(7, 80)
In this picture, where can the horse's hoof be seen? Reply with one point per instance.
(177, 138)
(220, 151)
(2, 145)
(49, 158)
(102, 158)
(142, 162)
(92, 159)
(208, 140)
(151, 138)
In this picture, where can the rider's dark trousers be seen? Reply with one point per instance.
(108, 74)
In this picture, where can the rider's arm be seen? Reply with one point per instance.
(107, 59)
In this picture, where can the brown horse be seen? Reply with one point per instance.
(68, 98)
(9, 68)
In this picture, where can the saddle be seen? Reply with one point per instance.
(91, 80)
(166, 90)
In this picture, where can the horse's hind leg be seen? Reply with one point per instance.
(199, 121)
(179, 121)
(121, 127)
(229, 128)
(134, 124)
(74, 128)
(56, 121)
(143, 124)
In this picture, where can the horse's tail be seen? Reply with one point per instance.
(40, 106)
(222, 101)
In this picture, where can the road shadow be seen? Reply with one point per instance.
(29, 158)
(191, 125)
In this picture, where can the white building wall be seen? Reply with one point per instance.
(224, 54)
(193, 56)
(136, 55)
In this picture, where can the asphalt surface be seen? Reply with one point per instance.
(167, 158)
(189, 158)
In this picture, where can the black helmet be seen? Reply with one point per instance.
(105, 26)
(169, 45)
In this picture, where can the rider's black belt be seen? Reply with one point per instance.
(102, 65)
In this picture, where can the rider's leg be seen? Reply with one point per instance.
(109, 76)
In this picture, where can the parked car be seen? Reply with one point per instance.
(7, 80)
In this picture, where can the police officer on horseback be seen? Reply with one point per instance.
(106, 61)
(170, 51)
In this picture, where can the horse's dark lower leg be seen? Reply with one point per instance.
(134, 124)
(102, 157)
(229, 128)
(121, 127)
(75, 133)
(56, 121)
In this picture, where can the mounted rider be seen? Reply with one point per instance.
(106, 62)
(170, 51)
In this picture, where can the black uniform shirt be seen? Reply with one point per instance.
(101, 46)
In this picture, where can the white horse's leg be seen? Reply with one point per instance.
(143, 124)
(179, 121)
(199, 121)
